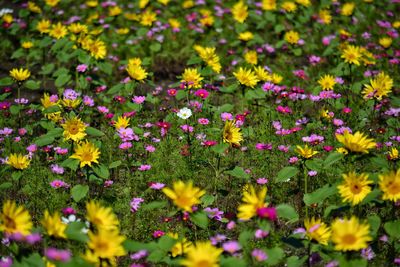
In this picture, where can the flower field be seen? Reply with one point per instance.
(199, 133)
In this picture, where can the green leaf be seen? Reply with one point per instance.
(5, 185)
(34, 260)
(52, 109)
(200, 219)
(375, 222)
(239, 173)
(16, 175)
(245, 237)
(294, 261)
(74, 232)
(166, 242)
(94, 132)
(62, 79)
(33, 85)
(287, 212)
(207, 200)
(14, 109)
(275, 255)
(154, 205)
(286, 173)
(70, 163)
(44, 140)
(220, 148)
(132, 246)
(229, 89)
(194, 60)
(393, 229)
(279, 28)
(101, 171)
(78, 192)
(319, 195)
(343, 262)
(232, 261)
(297, 51)
(47, 69)
(332, 158)
(181, 94)
(114, 164)
(115, 89)
(155, 47)
(105, 67)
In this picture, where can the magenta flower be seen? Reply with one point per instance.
(214, 213)
(144, 167)
(81, 68)
(56, 169)
(156, 186)
(59, 184)
(268, 213)
(262, 146)
(135, 203)
(259, 255)
(138, 99)
(262, 180)
(203, 121)
(202, 93)
(158, 234)
(231, 246)
(139, 255)
(54, 254)
(125, 145)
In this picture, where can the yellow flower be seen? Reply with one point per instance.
(123, 31)
(305, 3)
(262, 74)
(232, 134)
(354, 187)
(350, 234)
(317, 230)
(136, 72)
(276, 78)
(289, 6)
(202, 254)
(246, 36)
(174, 23)
(180, 247)
(251, 57)
(92, 3)
(347, 9)
(122, 122)
(188, 4)
(143, 3)
(208, 55)
(18, 161)
(268, 4)
(74, 129)
(14, 219)
(98, 49)
(393, 154)
(27, 45)
(58, 31)
(239, 11)
(206, 18)
(135, 61)
(379, 87)
(356, 142)
(86, 153)
(20, 75)
(192, 77)
(385, 42)
(292, 37)
(53, 225)
(52, 3)
(34, 8)
(164, 2)
(147, 18)
(325, 16)
(396, 24)
(8, 18)
(389, 183)
(252, 201)
(184, 195)
(352, 54)
(104, 246)
(101, 217)
(326, 114)
(327, 82)
(43, 26)
(305, 152)
(77, 28)
(114, 11)
(342, 150)
(246, 77)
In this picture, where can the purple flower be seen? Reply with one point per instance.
(214, 213)
(88, 101)
(259, 234)
(313, 139)
(56, 169)
(139, 255)
(81, 68)
(312, 173)
(259, 255)
(150, 148)
(59, 184)
(157, 186)
(138, 99)
(231, 246)
(226, 116)
(215, 240)
(58, 254)
(135, 203)
(262, 180)
(144, 167)
(367, 253)
(261, 146)
(6, 262)
(70, 94)
(125, 145)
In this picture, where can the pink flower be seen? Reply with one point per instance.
(58, 254)
(261, 146)
(259, 255)
(102, 109)
(32, 148)
(135, 203)
(150, 148)
(144, 167)
(172, 92)
(293, 160)
(81, 68)
(187, 128)
(209, 143)
(202, 93)
(231, 246)
(203, 121)
(59, 184)
(268, 213)
(156, 186)
(262, 180)
(125, 145)
(138, 99)
(226, 116)
(259, 234)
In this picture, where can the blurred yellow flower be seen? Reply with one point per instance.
(246, 77)
(292, 37)
(389, 183)
(184, 195)
(251, 202)
(317, 230)
(350, 234)
(231, 134)
(53, 225)
(14, 219)
(20, 75)
(239, 11)
(192, 78)
(347, 9)
(357, 142)
(327, 82)
(251, 57)
(58, 31)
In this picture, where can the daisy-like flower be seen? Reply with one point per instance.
(184, 113)
(101, 217)
(347, 9)
(202, 254)
(58, 31)
(379, 87)
(20, 75)
(246, 77)
(180, 247)
(350, 234)
(98, 49)
(18, 161)
(87, 153)
(43, 26)
(136, 72)
(192, 77)
(251, 57)
(231, 134)
(54, 225)
(246, 36)
(74, 129)
(327, 82)
(354, 187)
(122, 123)
(357, 142)
(352, 55)
(252, 202)
(317, 230)
(14, 219)
(239, 11)
(389, 183)
(292, 37)
(305, 152)
(184, 195)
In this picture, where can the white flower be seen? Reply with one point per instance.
(184, 113)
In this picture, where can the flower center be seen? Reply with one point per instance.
(349, 239)
(356, 189)
(204, 263)
(9, 223)
(394, 188)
